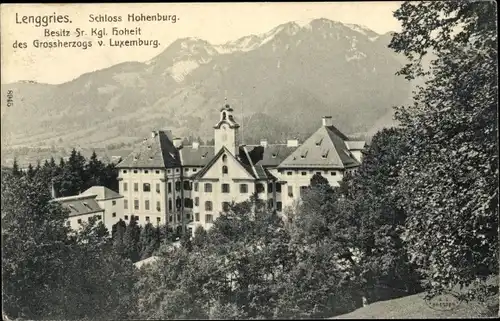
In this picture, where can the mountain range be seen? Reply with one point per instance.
(280, 83)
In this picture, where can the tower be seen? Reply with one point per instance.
(227, 131)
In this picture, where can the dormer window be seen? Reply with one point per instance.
(324, 154)
(318, 142)
(87, 205)
(149, 146)
(303, 155)
(273, 155)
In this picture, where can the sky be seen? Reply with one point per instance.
(215, 22)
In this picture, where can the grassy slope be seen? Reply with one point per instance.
(414, 306)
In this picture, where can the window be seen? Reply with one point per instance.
(113, 215)
(68, 223)
(304, 173)
(196, 201)
(146, 187)
(126, 217)
(225, 206)
(279, 206)
(125, 187)
(278, 188)
(178, 217)
(225, 188)
(188, 203)
(224, 158)
(87, 206)
(224, 170)
(146, 205)
(243, 188)
(270, 203)
(158, 219)
(196, 187)
(208, 188)
(169, 204)
(157, 188)
(99, 217)
(136, 218)
(259, 187)
(177, 170)
(303, 189)
(178, 202)
(169, 186)
(136, 204)
(197, 217)
(136, 187)
(188, 216)
(208, 206)
(124, 171)
(333, 173)
(194, 169)
(168, 171)
(187, 186)
(135, 171)
(125, 204)
(170, 218)
(270, 187)
(289, 173)
(290, 191)
(178, 186)
(186, 170)
(147, 218)
(157, 172)
(209, 218)
(79, 221)
(113, 203)
(146, 171)
(158, 206)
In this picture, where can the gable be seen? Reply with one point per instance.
(325, 148)
(236, 170)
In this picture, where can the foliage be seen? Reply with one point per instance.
(74, 176)
(49, 273)
(377, 220)
(448, 180)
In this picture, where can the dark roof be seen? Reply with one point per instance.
(79, 204)
(271, 155)
(154, 152)
(199, 156)
(102, 193)
(325, 148)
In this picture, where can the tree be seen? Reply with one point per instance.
(378, 220)
(131, 240)
(33, 247)
(148, 242)
(15, 168)
(95, 172)
(318, 179)
(448, 181)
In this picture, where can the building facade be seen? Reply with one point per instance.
(163, 181)
(98, 201)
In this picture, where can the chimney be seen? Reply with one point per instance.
(177, 143)
(292, 143)
(263, 143)
(327, 121)
(196, 145)
(153, 134)
(52, 189)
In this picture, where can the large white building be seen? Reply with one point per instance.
(165, 182)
